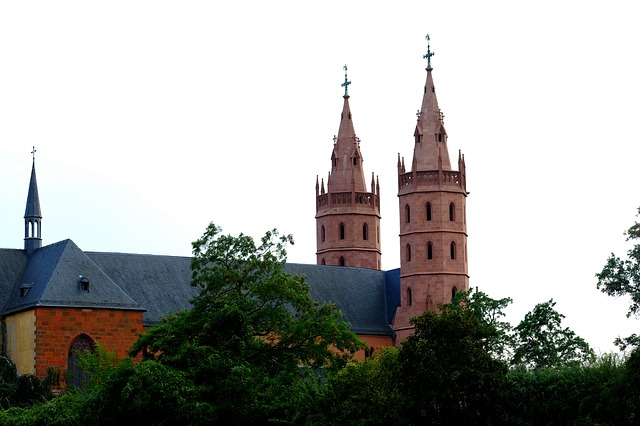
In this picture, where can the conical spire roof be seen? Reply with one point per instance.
(346, 160)
(430, 134)
(33, 201)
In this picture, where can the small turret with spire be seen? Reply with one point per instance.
(32, 214)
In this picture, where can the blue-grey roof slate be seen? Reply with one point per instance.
(162, 284)
(52, 277)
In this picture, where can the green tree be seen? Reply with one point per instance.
(540, 340)
(621, 277)
(250, 329)
(491, 311)
(446, 370)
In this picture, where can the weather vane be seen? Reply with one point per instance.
(346, 82)
(429, 53)
(33, 152)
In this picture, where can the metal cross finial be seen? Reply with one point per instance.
(33, 152)
(429, 53)
(346, 82)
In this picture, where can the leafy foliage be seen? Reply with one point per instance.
(446, 368)
(251, 326)
(542, 342)
(621, 277)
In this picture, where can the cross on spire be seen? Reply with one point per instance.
(346, 82)
(429, 53)
(33, 152)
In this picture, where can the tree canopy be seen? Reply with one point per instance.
(251, 327)
(621, 277)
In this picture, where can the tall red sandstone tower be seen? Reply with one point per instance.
(347, 215)
(433, 226)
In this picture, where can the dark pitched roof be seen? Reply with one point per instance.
(12, 264)
(51, 278)
(359, 293)
(160, 284)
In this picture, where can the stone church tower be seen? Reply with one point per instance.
(433, 229)
(347, 215)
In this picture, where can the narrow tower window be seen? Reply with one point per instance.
(452, 249)
(452, 212)
(408, 253)
(322, 233)
(409, 298)
(342, 231)
(324, 262)
(407, 212)
(341, 261)
(365, 232)
(454, 290)
(429, 250)
(428, 212)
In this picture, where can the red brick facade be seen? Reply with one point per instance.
(57, 328)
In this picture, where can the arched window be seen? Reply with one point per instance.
(342, 231)
(454, 290)
(324, 262)
(429, 250)
(409, 298)
(428, 211)
(407, 213)
(341, 261)
(408, 253)
(365, 232)
(322, 233)
(452, 212)
(82, 343)
(378, 233)
(452, 248)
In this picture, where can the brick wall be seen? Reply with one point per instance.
(57, 328)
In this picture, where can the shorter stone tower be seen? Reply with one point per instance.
(32, 214)
(433, 225)
(347, 215)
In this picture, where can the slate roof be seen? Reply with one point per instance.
(51, 278)
(162, 284)
(361, 294)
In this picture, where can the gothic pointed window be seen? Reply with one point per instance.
(452, 212)
(342, 231)
(409, 297)
(341, 261)
(322, 233)
(454, 290)
(408, 253)
(324, 262)
(429, 250)
(365, 232)
(428, 212)
(452, 249)
(407, 213)
(77, 377)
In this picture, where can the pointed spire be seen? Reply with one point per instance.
(32, 213)
(430, 134)
(346, 159)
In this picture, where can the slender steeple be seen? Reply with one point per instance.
(347, 214)
(346, 158)
(430, 134)
(32, 214)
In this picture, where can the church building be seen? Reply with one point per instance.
(57, 300)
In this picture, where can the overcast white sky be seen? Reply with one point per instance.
(153, 118)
